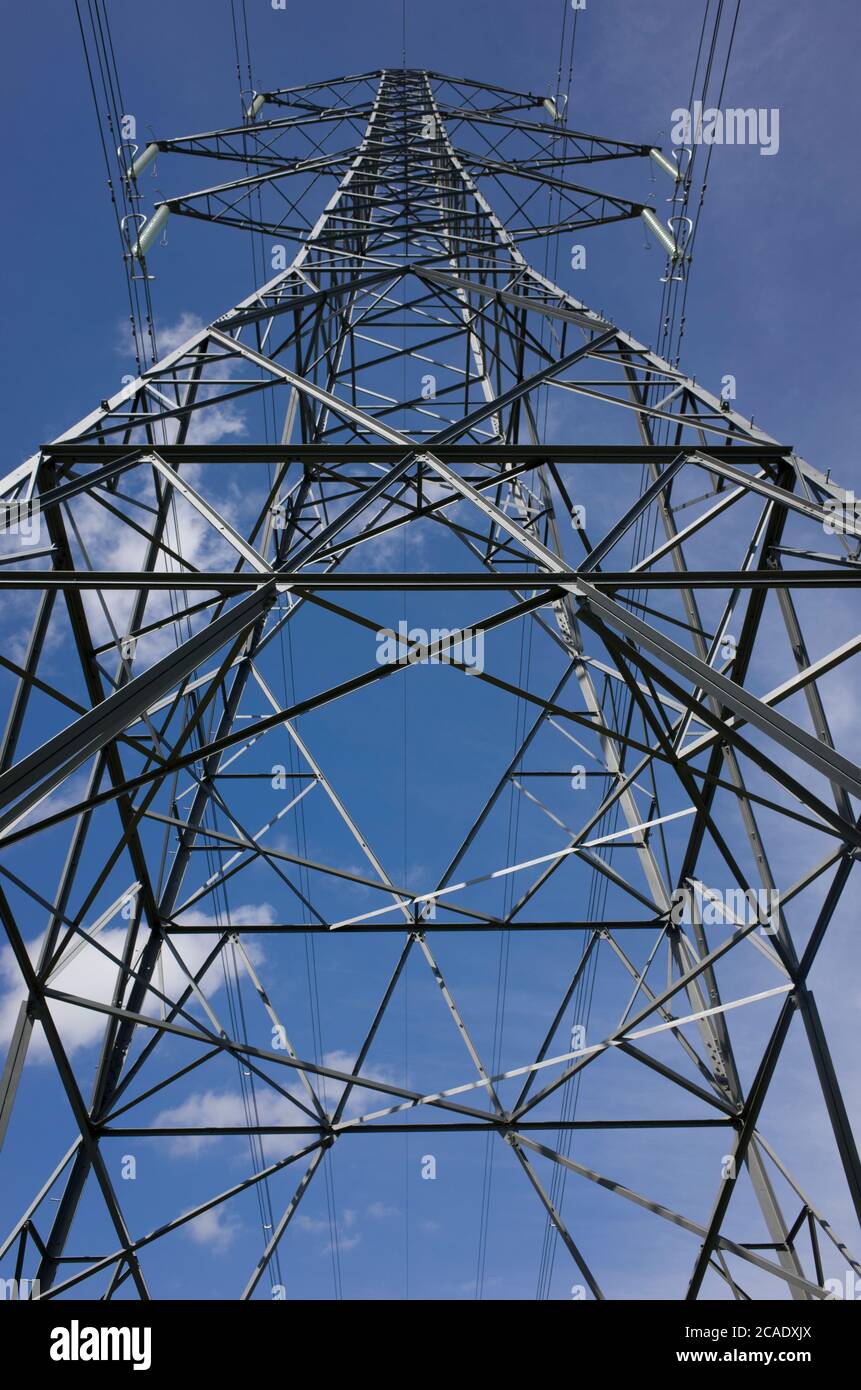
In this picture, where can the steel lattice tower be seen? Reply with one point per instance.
(403, 360)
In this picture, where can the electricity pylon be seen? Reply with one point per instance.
(207, 618)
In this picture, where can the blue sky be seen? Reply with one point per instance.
(770, 302)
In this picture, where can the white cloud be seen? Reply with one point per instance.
(67, 794)
(90, 974)
(173, 335)
(379, 1210)
(169, 336)
(226, 1108)
(107, 544)
(344, 1243)
(215, 423)
(360, 1100)
(317, 1225)
(311, 1223)
(217, 1229)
